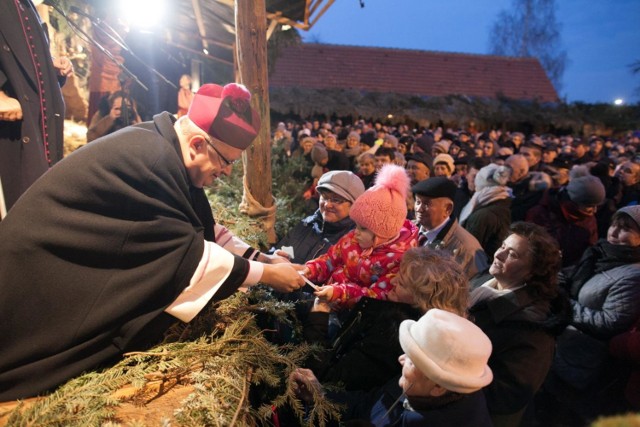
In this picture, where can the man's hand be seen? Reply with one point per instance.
(277, 258)
(305, 385)
(283, 277)
(10, 109)
(63, 66)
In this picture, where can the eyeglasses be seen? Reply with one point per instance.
(333, 199)
(220, 156)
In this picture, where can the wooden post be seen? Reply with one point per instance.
(251, 59)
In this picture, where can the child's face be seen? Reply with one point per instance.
(364, 237)
(367, 167)
(381, 161)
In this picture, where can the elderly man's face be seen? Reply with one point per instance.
(431, 212)
(206, 161)
(417, 171)
(629, 173)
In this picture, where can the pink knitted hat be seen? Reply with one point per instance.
(225, 114)
(383, 207)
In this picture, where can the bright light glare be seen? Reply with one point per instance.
(142, 13)
(618, 101)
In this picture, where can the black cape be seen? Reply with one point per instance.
(93, 253)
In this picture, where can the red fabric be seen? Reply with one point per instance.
(626, 346)
(354, 272)
(229, 119)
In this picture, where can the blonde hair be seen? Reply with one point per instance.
(435, 280)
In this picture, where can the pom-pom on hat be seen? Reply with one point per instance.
(492, 175)
(383, 207)
(225, 114)
(449, 350)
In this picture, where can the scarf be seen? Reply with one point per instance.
(600, 257)
(484, 197)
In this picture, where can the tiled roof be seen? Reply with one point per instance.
(411, 72)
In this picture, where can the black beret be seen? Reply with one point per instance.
(423, 158)
(437, 186)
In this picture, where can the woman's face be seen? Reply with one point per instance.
(413, 382)
(352, 142)
(512, 262)
(333, 208)
(401, 292)
(617, 235)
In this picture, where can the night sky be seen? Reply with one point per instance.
(602, 37)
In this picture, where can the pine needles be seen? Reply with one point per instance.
(223, 368)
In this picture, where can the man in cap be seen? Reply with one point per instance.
(315, 234)
(580, 151)
(418, 168)
(117, 242)
(444, 367)
(568, 214)
(439, 230)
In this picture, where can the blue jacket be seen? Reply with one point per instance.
(470, 410)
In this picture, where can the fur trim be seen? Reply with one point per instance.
(394, 178)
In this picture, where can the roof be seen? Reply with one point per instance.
(210, 24)
(411, 72)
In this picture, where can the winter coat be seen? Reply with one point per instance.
(462, 246)
(354, 272)
(490, 225)
(523, 332)
(313, 236)
(365, 352)
(377, 408)
(606, 305)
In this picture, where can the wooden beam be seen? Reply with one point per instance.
(251, 48)
(200, 22)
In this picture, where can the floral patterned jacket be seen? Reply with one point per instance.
(354, 272)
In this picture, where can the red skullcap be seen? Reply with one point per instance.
(225, 114)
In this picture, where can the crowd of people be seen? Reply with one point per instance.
(499, 269)
(542, 230)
